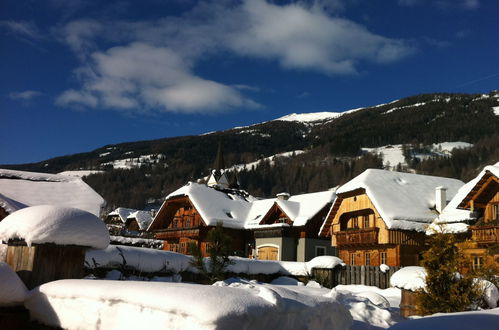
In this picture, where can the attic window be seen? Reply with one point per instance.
(227, 213)
(257, 217)
(281, 220)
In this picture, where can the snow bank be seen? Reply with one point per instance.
(366, 315)
(476, 320)
(87, 304)
(409, 278)
(55, 224)
(392, 295)
(12, 289)
(285, 280)
(142, 259)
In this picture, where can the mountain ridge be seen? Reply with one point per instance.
(332, 142)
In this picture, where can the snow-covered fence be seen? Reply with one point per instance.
(365, 275)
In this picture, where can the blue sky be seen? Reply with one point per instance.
(77, 75)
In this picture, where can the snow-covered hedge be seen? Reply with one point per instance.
(144, 260)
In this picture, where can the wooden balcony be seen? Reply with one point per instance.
(485, 234)
(359, 237)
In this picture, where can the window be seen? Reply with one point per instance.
(382, 258)
(281, 220)
(495, 211)
(320, 251)
(188, 222)
(366, 221)
(477, 263)
(354, 223)
(367, 259)
(352, 259)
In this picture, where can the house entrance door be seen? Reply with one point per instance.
(268, 253)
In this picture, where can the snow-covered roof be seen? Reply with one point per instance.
(30, 188)
(403, 200)
(122, 213)
(237, 209)
(452, 212)
(55, 224)
(10, 205)
(143, 218)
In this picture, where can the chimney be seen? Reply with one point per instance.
(440, 198)
(283, 196)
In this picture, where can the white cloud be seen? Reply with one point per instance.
(140, 76)
(25, 95)
(156, 67)
(23, 29)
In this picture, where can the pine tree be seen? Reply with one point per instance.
(219, 249)
(446, 290)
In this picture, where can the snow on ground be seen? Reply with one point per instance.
(80, 173)
(55, 224)
(365, 313)
(392, 295)
(129, 163)
(92, 304)
(270, 159)
(446, 148)
(310, 117)
(392, 155)
(12, 289)
(476, 320)
(495, 110)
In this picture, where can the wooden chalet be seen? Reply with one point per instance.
(380, 217)
(477, 204)
(189, 213)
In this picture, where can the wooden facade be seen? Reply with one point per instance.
(362, 237)
(42, 263)
(179, 224)
(482, 249)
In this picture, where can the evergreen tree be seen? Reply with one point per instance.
(446, 290)
(219, 249)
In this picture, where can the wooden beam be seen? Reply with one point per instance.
(482, 188)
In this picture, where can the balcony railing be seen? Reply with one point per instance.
(357, 237)
(485, 234)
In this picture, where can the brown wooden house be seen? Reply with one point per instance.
(189, 213)
(380, 217)
(478, 204)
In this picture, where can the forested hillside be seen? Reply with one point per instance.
(137, 172)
